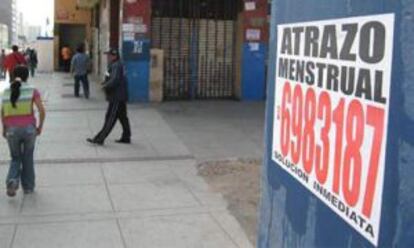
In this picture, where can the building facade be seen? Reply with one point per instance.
(32, 33)
(208, 49)
(4, 36)
(21, 34)
(8, 18)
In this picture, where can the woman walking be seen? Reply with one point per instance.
(20, 130)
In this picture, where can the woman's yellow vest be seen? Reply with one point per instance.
(23, 104)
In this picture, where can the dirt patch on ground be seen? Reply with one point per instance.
(239, 182)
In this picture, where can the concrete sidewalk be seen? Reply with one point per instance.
(214, 130)
(147, 194)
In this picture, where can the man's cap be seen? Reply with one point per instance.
(113, 51)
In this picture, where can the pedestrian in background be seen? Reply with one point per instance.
(115, 87)
(31, 58)
(79, 68)
(66, 54)
(20, 130)
(2, 70)
(12, 60)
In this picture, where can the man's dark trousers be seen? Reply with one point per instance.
(116, 111)
(2, 73)
(85, 85)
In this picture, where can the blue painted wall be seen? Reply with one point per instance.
(138, 80)
(290, 215)
(253, 81)
(136, 56)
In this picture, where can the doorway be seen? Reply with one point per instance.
(70, 35)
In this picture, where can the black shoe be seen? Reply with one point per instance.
(11, 189)
(123, 141)
(95, 142)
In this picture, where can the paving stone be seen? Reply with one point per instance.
(168, 193)
(99, 234)
(137, 172)
(67, 200)
(6, 235)
(175, 232)
(68, 175)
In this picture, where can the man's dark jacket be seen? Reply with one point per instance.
(115, 84)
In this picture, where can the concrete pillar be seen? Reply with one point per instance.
(156, 75)
(363, 125)
(135, 36)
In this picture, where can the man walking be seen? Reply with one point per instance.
(79, 68)
(32, 61)
(12, 60)
(115, 87)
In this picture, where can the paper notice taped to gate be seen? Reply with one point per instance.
(134, 28)
(249, 6)
(254, 46)
(331, 113)
(128, 36)
(128, 27)
(141, 28)
(253, 34)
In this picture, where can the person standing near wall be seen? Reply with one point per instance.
(66, 54)
(32, 61)
(20, 130)
(2, 70)
(115, 87)
(79, 68)
(12, 60)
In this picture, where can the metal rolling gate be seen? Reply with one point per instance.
(198, 39)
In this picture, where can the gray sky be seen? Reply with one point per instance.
(35, 12)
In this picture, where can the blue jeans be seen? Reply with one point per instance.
(85, 85)
(21, 142)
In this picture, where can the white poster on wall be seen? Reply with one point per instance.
(331, 111)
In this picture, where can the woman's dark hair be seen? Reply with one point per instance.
(20, 74)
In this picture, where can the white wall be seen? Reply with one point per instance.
(44, 50)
